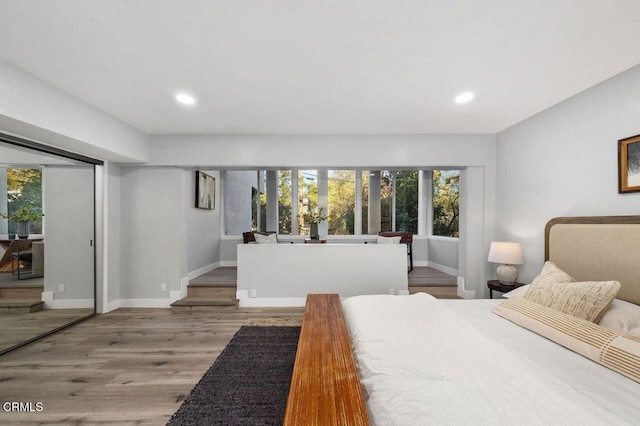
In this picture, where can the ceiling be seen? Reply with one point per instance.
(321, 67)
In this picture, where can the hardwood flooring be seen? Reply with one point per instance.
(130, 366)
(16, 328)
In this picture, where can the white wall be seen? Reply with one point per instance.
(443, 253)
(563, 162)
(151, 237)
(237, 207)
(69, 257)
(203, 226)
(335, 151)
(31, 108)
(113, 232)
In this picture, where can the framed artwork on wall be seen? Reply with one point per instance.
(205, 191)
(629, 164)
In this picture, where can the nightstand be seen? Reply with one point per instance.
(502, 288)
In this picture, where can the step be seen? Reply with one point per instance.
(211, 291)
(438, 291)
(18, 306)
(21, 292)
(191, 303)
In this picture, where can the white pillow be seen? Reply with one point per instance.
(266, 239)
(621, 316)
(388, 240)
(518, 292)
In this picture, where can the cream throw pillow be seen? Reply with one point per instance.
(586, 300)
(558, 290)
(388, 240)
(266, 239)
(551, 274)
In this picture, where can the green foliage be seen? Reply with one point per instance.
(284, 201)
(24, 198)
(342, 202)
(407, 201)
(446, 207)
(314, 216)
(26, 213)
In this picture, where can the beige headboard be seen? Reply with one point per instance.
(599, 248)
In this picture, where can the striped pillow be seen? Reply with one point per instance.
(615, 350)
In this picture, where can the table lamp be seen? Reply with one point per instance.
(507, 254)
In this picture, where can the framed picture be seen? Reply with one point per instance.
(629, 164)
(205, 191)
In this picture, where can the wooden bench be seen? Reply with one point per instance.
(325, 388)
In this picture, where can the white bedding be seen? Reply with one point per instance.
(453, 362)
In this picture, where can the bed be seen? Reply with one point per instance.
(415, 360)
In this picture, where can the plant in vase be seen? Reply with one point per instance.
(23, 217)
(313, 218)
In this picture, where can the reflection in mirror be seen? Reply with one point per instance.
(47, 259)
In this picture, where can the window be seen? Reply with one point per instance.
(407, 200)
(24, 201)
(446, 208)
(284, 202)
(399, 200)
(340, 202)
(341, 196)
(365, 201)
(308, 208)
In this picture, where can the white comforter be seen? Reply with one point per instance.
(421, 363)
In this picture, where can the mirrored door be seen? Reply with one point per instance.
(47, 253)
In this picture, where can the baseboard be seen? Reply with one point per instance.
(442, 268)
(201, 271)
(112, 306)
(420, 263)
(50, 302)
(272, 302)
(465, 294)
(182, 293)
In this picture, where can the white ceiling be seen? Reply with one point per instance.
(321, 67)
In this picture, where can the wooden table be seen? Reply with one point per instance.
(9, 247)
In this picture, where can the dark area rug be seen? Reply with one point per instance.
(249, 382)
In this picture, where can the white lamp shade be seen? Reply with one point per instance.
(506, 253)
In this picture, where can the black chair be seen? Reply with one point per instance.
(22, 258)
(405, 238)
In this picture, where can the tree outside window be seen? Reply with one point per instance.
(446, 207)
(284, 201)
(24, 199)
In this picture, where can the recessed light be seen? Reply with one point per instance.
(183, 98)
(463, 98)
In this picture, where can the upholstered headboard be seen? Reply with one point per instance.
(598, 248)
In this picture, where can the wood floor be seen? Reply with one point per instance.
(16, 328)
(130, 366)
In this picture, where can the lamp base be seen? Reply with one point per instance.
(507, 274)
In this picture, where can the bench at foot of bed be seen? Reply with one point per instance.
(325, 388)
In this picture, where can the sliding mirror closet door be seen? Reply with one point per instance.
(47, 222)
